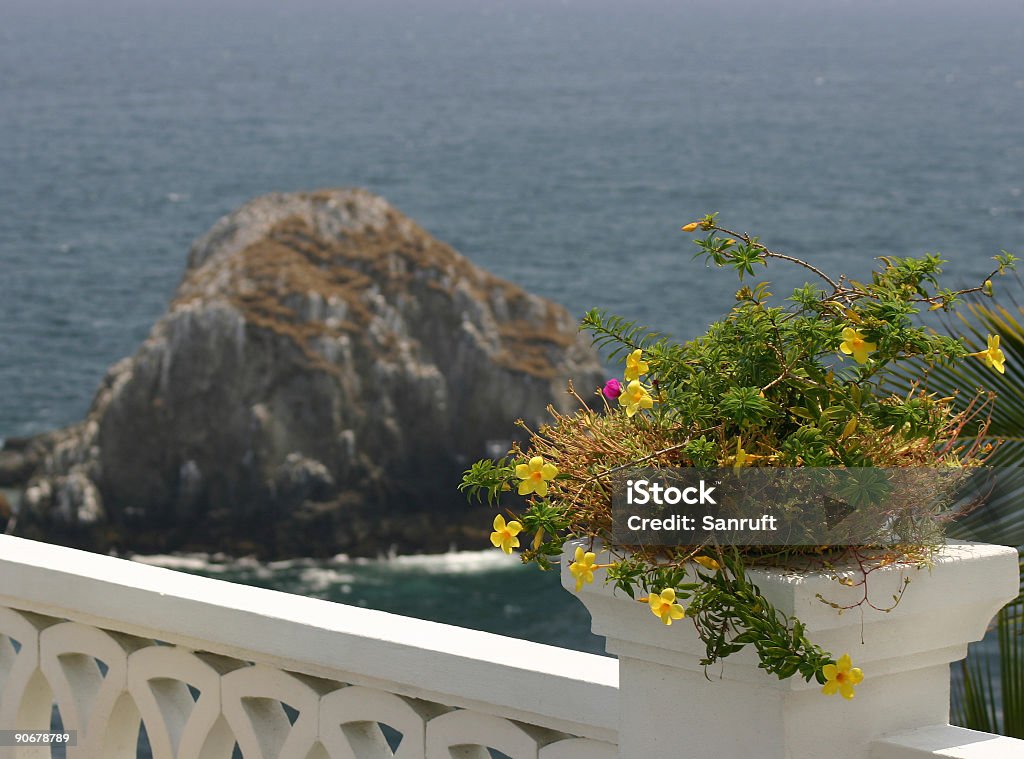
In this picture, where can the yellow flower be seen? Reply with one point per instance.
(742, 458)
(535, 476)
(993, 355)
(636, 367)
(691, 227)
(741, 455)
(663, 605)
(504, 535)
(635, 397)
(583, 567)
(707, 562)
(854, 344)
(841, 677)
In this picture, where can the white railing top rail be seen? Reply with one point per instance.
(564, 690)
(949, 742)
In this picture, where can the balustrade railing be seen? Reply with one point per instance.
(205, 665)
(211, 669)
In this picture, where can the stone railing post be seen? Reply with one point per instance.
(669, 705)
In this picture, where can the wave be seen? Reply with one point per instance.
(321, 571)
(456, 562)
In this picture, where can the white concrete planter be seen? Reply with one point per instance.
(671, 707)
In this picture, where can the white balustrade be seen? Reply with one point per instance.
(947, 741)
(208, 667)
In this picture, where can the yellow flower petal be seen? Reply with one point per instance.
(841, 677)
(582, 568)
(854, 344)
(707, 562)
(522, 471)
(499, 523)
(862, 351)
(549, 471)
(636, 367)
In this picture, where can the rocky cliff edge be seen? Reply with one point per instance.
(324, 373)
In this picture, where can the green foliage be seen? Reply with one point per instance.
(730, 613)
(485, 479)
(619, 335)
(746, 406)
(770, 375)
(801, 382)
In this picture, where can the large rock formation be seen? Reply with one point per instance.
(324, 373)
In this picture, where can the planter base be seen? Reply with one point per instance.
(735, 709)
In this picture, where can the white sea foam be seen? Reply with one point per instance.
(186, 562)
(456, 562)
(316, 579)
(322, 573)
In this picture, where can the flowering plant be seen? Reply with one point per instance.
(800, 384)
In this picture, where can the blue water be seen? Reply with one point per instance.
(560, 145)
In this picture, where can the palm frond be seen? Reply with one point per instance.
(1001, 519)
(983, 701)
(989, 694)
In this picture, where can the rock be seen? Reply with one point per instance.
(15, 467)
(324, 373)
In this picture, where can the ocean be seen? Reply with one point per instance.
(558, 144)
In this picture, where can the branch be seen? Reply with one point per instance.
(772, 254)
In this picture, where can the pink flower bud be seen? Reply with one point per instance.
(612, 389)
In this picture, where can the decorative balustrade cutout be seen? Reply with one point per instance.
(197, 705)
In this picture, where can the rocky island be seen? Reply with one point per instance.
(325, 371)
